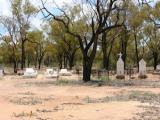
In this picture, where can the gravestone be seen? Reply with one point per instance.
(120, 66)
(1, 72)
(158, 67)
(142, 67)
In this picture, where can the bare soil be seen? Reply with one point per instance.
(47, 99)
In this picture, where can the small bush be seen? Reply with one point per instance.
(142, 76)
(120, 76)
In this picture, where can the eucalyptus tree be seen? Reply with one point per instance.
(37, 40)
(136, 21)
(152, 41)
(11, 39)
(107, 41)
(22, 10)
(152, 14)
(64, 41)
(151, 30)
(89, 25)
(10, 53)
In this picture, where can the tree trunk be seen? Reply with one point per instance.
(35, 64)
(28, 61)
(72, 59)
(65, 61)
(71, 62)
(48, 61)
(87, 66)
(123, 50)
(36, 58)
(88, 60)
(60, 65)
(104, 49)
(109, 54)
(60, 60)
(136, 49)
(15, 66)
(39, 63)
(155, 57)
(23, 56)
(108, 57)
(105, 60)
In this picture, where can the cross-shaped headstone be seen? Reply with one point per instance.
(120, 55)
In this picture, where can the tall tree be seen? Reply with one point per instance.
(67, 43)
(22, 11)
(136, 24)
(9, 23)
(89, 25)
(40, 45)
(108, 40)
(152, 41)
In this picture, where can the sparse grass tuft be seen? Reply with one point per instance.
(24, 114)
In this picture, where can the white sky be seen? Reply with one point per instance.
(36, 21)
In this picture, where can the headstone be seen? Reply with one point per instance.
(158, 67)
(1, 73)
(142, 67)
(120, 66)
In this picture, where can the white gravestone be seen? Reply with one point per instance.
(1, 72)
(142, 67)
(158, 67)
(120, 66)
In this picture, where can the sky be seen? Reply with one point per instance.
(37, 20)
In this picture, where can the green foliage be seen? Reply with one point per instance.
(55, 42)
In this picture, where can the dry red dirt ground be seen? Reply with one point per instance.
(39, 99)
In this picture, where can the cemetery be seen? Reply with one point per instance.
(51, 93)
(80, 60)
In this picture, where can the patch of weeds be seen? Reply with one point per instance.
(143, 97)
(44, 110)
(106, 99)
(26, 100)
(72, 104)
(29, 100)
(39, 118)
(57, 108)
(149, 113)
(99, 82)
(27, 93)
(56, 83)
(24, 114)
(104, 78)
(67, 82)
